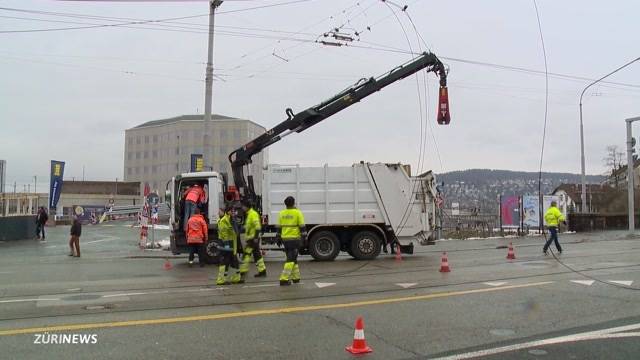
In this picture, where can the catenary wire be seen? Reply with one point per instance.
(581, 273)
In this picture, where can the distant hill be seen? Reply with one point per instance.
(479, 188)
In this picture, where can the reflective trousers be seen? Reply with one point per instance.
(252, 249)
(229, 260)
(291, 269)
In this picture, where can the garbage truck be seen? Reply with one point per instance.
(357, 209)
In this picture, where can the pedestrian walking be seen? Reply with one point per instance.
(41, 220)
(74, 240)
(197, 236)
(193, 196)
(552, 218)
(291, 230)
(252, 229)
(229, 250)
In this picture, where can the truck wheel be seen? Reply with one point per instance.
(211, 252)
(366, 245)
(324, 246)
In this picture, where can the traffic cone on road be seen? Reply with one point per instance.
(167, 264)
(444, 264)
(398, 253)
(359, 345)
(511, 255)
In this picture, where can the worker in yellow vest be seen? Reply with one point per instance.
(291, 231)
(228, 251)
(553, 217)
(252, 227)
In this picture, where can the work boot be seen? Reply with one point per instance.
(261, 274)
(285, 282)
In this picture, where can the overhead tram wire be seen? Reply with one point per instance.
(410, 202)
(143, 21)
(544, 133)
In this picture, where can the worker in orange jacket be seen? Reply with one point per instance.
(193, 196)
(197, 236)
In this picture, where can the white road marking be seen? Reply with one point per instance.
(406, 285)
(74, 289)
(127, 294)
(110, 238)
(583, 282)
(324, 285)
(261, 285)
(621, 282)
(205, 289)
(25, 300)
(616, 332)
(496, 283)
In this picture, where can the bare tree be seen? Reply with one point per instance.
(613, 162)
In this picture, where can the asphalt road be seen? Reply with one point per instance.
(583, 305)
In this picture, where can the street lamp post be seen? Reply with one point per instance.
(206, 156)
(583, 195)
(630, 179)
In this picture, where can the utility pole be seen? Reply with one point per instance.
(583, 195)
(206, 156)
(630, 170)
(83, 173)
(35, 183)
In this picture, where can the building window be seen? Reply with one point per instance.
(237, 133)
(137, 171)
(129, 156)
(130, 140)
(155, 139)
(154, 154)
(146, 139)
(145, 170)
(129, 171)
(223, 133)
(137, 155)
(154, 169)
(146, 154)
(138, 140)
(177, 150)
(177, 167)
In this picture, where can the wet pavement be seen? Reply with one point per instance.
(530, 307)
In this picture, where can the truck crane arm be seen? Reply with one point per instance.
(303, 120)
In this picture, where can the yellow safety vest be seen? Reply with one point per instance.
(252, 224)
(553, 216)
(225, 229)
(290, 221)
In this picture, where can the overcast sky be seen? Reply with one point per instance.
(69, 95)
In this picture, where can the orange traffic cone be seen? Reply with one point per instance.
(359, 345)
(511, 255)
(167, 264)
(444, 264)
(398, 253)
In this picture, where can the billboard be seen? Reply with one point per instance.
(530, 208)
(55, 182)
(88, 214)
(510, 211)
(197, 162)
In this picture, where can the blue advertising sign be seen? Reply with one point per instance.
(55, 184)
(197, 162)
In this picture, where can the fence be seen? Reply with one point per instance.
(18, 204)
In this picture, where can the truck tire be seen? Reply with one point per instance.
(366, 245)
(211, 252)
(324, 246)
